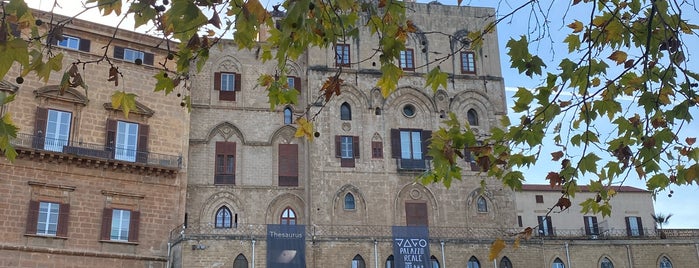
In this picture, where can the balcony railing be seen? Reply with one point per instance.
(435, 232)
(412, 164)
(88, 150)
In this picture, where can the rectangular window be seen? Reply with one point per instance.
(416, 214)
(294, 82)
(519, 221)
(288, 165)
(126, 141)
(57, 130)
(131, 55)
(121, 219)
(342, 55)
(468, 62)
(545, 226)
(347, 149)
(409, 147)
(48, 218)
(407, 60)
(225, 163)
(634, 226)
(591, 227)
(227, 84)
(120, 225)
(376, 149)
(69, 42)
(539, 199)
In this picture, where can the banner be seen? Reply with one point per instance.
(411, 246)
(286, 246)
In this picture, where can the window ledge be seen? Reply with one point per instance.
(47, 236)
(119, 242)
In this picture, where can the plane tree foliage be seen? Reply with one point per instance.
(626, 69)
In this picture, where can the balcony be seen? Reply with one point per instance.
(31, 145)
(412, 164)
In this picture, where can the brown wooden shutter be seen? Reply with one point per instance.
(42, 115)
(297, 83)
(376, 149)
(217, 81)
(338, 146)
(225, 149)
(142, 146)
(32, 217)
(355, 146)
(549, 225)
(237, 83)
(587, 226)
(425, 137)
(416, 214)
(110, 140)
(640, 226)
(133, 226)
(63, 214)
(106, 224)
(288, 165)
(595, 226)
(395, 143)
(148, 58)
(84, 45)
(118, 52)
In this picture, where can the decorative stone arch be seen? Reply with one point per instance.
(472, 206)
(415, 192)
(8, 87)
(459, 40)
(553, 259)
(604, 256)
(285, 135)
(404, 95)
(227, 130)
(293, 69)
(476, 100)
(441, 99)
(352, 95)
(281, 202)
(376, 137)
(376, 100)
(360, 210)
(664, 256)
(227, 63)
(208, 210)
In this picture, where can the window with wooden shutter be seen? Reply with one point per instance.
(106, 224)
(225, 163)
(545, 226)
(142, 151)
(634, 226)
(40, 127)
(591, 227)
(347, 149)
(133, 226)
(120, 225)
(416, 214)
(110, 139)
(227, 83)
(376, 149)
(63, 214)
(32, 217)
(288, 165)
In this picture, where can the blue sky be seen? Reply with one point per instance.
(551, 49)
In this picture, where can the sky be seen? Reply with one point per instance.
(551, 50)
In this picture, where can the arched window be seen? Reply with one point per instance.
(223, 217)
(505, 263)
(473, 263)
(240, 262)
(665, 263)
(288, 116)
(288, 217)
(472, 117)
(358, 262)
(606, 263)
(434, 262)
(558, 263)
(482, 204)
(349, 201)
(389, 262)
(345, 111)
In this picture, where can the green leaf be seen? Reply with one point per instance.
(8, 131)
(108, 6)
(164, 83)
(12, 51)
(436, 78)
(124, 101)
(589, 163)
(389, 80)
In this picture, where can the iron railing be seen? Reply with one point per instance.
(435, 232)
(89, 150)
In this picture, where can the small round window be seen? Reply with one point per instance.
(409, 110)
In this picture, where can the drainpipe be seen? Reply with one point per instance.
(253, 253)
(495, 263)
(169, 246)
(444, 262)
(376, 255)
(568, 256)
(628, 256)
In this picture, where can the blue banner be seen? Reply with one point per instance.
(286, 246)
(411, 246)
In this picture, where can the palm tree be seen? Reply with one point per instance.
(661, 219)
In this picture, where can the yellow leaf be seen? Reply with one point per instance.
(516, 243)
(124, 101)
(595, 81)
(495, 249)
(576, 26)
(611, 192)
(618, 56)
(305, 129)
